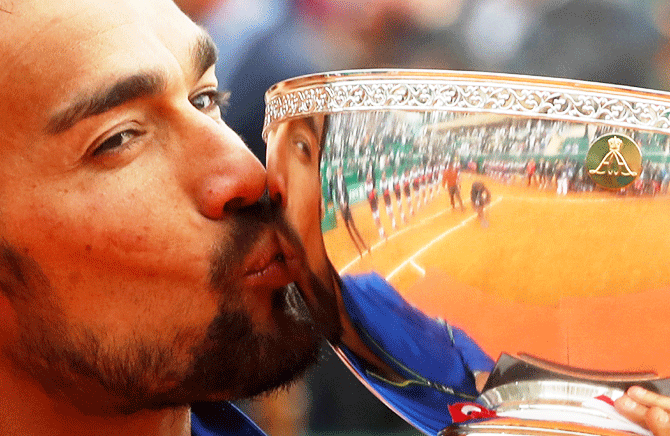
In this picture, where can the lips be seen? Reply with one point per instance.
(267, 265)
(273, 267)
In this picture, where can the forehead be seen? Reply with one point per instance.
(52, 49)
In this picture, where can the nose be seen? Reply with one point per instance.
(228, 175)
(276, 170)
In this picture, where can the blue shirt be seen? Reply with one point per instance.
(221, 419)
(435, 359)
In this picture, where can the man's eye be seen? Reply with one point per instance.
(303, 147)
(116, 142)
(210, 100)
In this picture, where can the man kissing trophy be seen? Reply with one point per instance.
(549, 319)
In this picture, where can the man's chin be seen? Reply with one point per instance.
(236, 361)
(265, 365)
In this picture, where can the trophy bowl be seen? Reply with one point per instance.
(524, 219)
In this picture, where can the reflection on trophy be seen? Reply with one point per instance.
(614, 169)
(614, 163)
(489, 223)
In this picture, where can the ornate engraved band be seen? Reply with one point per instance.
(430, 90)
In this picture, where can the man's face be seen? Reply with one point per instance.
(293, 161)
(134, 260)
(293, 173)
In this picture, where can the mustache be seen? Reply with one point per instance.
(246, 225)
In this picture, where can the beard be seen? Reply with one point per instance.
(230, 359)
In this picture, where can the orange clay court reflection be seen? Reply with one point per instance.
(557, 268)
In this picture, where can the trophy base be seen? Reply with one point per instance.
(528, 396)
(524, 427)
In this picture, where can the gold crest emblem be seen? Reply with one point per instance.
(614, 161)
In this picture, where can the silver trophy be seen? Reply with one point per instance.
(520, 220)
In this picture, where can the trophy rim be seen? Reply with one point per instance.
(546, 392)
(470, 92)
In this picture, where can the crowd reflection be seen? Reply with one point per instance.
(378, 156)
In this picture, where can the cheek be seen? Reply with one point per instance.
(304, 201)
(123, 226)
(86, 224)
(118, 272)
(304, 212)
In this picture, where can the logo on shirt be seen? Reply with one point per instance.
(461, 412)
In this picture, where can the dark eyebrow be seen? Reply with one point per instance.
(203, 54)
(123, 91)
(311, 125)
